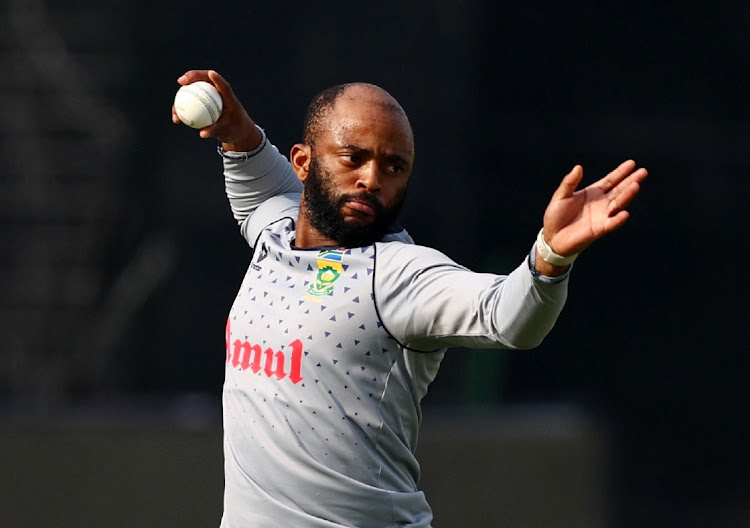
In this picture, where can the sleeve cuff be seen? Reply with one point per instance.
(244, 156)
(543, 278)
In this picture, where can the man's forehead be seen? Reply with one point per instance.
(368, 97)
(353, 115)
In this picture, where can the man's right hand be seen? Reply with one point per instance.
(235, 129)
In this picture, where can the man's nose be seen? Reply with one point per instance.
(369, 177)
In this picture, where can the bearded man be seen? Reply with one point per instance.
(341, 321)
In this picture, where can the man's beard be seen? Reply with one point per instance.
(324, 210)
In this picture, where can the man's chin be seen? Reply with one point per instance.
(358, 234)
(358, 220)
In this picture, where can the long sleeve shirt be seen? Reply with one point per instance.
(330, 350)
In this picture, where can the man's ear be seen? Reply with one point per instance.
(300, 157)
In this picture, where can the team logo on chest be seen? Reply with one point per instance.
(329, 270)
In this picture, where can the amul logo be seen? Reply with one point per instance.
(244, 355)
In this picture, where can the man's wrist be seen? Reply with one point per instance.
(547, 269)
(544, 271)
(243, 154)
(549, 256)
(248, 142)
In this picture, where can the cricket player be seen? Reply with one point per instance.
(341, 321)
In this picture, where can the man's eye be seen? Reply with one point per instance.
(352, 158)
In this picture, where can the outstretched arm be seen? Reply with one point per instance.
(574, 219)
(460, 308)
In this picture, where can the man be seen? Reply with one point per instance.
(341, 321)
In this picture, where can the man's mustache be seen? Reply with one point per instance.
(364, 197)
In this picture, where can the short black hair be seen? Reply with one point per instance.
(322, 103)
(318, 107)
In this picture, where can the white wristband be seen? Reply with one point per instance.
(550, 256)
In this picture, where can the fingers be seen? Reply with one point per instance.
(616, 176)
(624, 197)
(186, 78)
(616, 222)
(636, 178)
(192, 76)
(222, 86)
(569, 183)
(616, 214)
(207, 132)
(226, 125)
(212, 76)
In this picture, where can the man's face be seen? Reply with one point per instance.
(359, 170)
(326, 206)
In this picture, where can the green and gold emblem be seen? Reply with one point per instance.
(329, 270)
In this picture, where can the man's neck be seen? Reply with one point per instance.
(307, 235)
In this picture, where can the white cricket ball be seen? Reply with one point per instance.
(198, 104)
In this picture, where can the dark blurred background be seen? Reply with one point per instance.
(120, 258)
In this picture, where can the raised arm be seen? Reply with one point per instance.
(254, 169)
(235, 129)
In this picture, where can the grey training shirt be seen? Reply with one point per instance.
(329, 352)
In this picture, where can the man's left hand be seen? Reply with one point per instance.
(574, 219)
